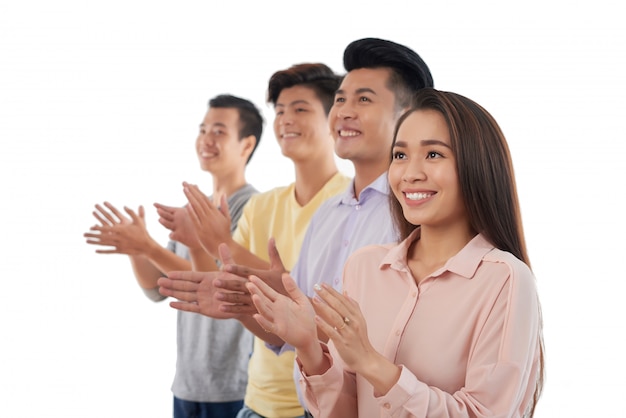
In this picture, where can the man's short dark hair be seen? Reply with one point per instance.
(409, 71)
(250, 119)
(316, 76)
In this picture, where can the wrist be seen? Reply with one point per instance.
(152, 249)
(312, 358)
(380, 372)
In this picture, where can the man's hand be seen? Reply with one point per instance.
(177, 220)
(273, 276)
(195, 292)
(212, 224)
(126, 234)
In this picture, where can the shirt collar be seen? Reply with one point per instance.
(464, 263)
(380, 185)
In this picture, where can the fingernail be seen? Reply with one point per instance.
(317, 287)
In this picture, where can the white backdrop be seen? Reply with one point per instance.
(101, 101)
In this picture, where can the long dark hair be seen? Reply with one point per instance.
(486, 178)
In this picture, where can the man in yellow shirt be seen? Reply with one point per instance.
(302, 97)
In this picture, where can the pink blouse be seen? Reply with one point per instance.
(467, 337)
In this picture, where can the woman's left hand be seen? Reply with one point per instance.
(340, 318)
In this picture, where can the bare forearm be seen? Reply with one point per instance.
(164, 260)
(145, 272)
(201, 260)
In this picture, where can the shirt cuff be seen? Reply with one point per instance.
(406, 389)
(279, 349)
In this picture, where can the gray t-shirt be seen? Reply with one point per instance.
(212, 354)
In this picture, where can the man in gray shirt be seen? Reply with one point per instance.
(212, 355)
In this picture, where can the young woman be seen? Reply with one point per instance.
(446, 323)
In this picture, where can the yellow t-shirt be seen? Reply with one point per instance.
(271, 391)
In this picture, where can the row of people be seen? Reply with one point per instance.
(432, 204)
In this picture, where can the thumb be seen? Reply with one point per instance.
(276, 263)
(225, 255)
(293, 290)
(224, 207)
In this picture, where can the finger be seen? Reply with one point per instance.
(264, 309)
(167, 223)
(116, 212)
(104, 239)
(262, 288)
(103, 221)
(187, 276)
(231, 309)
(234, 298)
(193, 211)
(230, 282)
(197, 208)
(181, 295)
(165, 214)
(241, 271)
(101, 241)
(261, 301)
(107, 215)
(224, 208)
(133, 216)
(330, 306)
(202, 204)
(225, 255)
(293, 290)
(275, 261)
(332, 297)
(164, 208)
(142, 212)
(330, 329)
(103, 229)
(267, 325)
(92, 235)
(115, 251)
(185, 306)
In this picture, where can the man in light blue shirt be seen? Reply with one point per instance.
(340, 226)
(374, 93)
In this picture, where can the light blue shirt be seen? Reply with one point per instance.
(340, 226)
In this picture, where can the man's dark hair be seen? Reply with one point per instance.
(318, 77)
(409, 72)
(250, 119)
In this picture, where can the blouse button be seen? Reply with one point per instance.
(387, 405)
